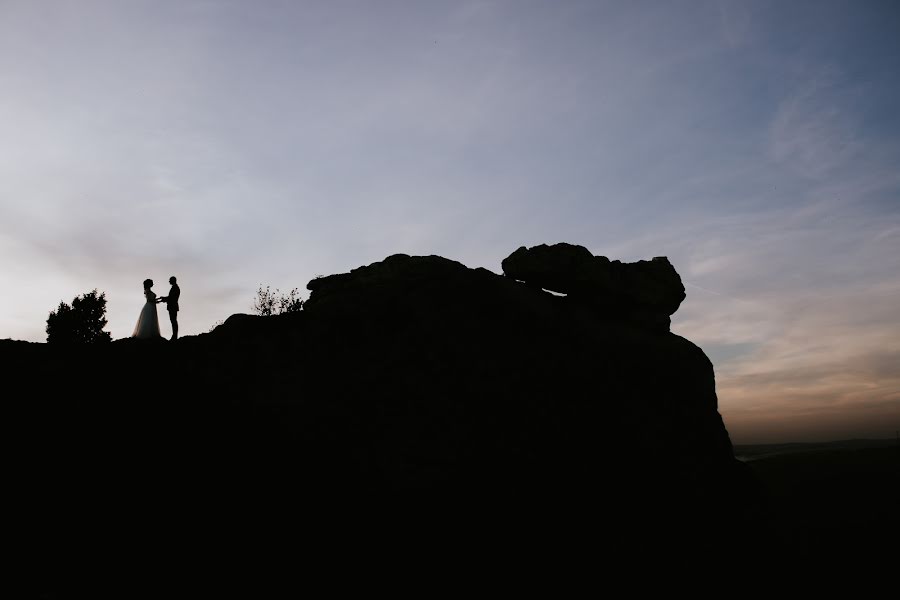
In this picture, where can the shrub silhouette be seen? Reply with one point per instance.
(80, 323)
(268, 303)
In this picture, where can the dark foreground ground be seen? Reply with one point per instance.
(419, 421)
(837, 505)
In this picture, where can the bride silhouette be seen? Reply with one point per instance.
(148, 322)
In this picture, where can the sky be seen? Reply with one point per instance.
(238, 144)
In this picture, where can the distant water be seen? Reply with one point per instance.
(744, 458)
(751, 452)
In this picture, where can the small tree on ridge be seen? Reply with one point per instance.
(80, 323)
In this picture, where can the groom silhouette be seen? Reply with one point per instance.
(172, 305)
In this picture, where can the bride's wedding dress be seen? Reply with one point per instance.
(148, 323)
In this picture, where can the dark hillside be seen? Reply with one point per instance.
(414, 398)
(838, 505)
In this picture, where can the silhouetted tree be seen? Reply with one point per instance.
(268, 303)
(80, 323)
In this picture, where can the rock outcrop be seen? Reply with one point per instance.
(645, 292)
(455, 399)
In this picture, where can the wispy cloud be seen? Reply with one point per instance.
(814, 131)
(800, 313)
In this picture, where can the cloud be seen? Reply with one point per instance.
(800, 313)
(815, 128)
(737, 22)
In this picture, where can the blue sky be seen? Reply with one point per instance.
(238, 143)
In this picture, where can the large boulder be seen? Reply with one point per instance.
(647, 292)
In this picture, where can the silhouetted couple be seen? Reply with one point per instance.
(148, 322)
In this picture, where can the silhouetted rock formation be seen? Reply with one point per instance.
(527, 378)
(646, 292)
(456, 400)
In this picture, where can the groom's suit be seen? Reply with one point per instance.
(172, 305)
(172, 299)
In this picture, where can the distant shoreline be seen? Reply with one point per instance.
(751, 452)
